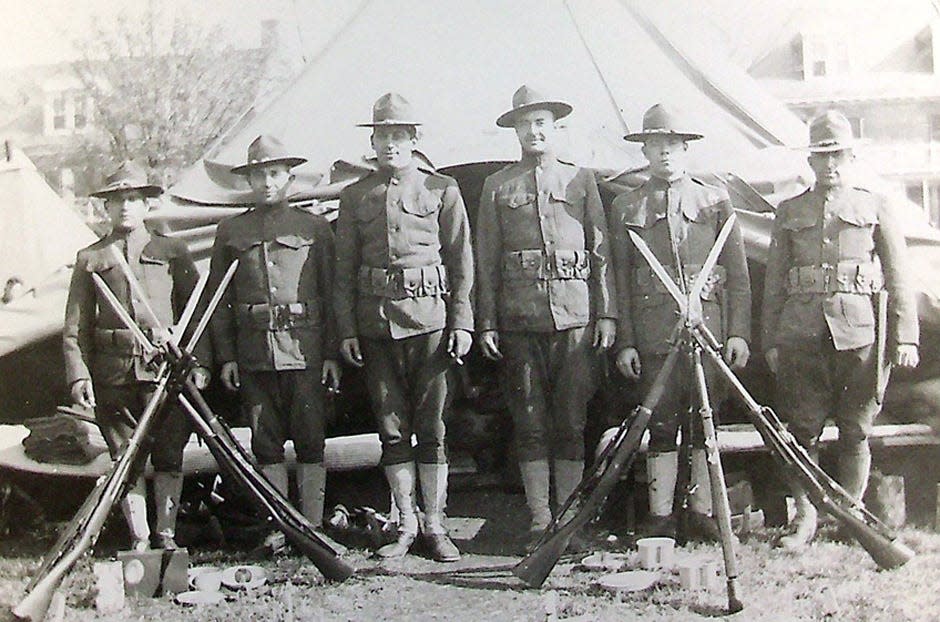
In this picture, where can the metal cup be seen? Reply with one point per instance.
(655, 552)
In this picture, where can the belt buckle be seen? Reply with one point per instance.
(281, 317)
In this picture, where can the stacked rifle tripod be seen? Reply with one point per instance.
(174, 364)
(692, 338)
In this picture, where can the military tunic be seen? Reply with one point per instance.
(830, 252)
(404, 271)
(99, 347)
(277, 323)
(543, 279)
(680, 221)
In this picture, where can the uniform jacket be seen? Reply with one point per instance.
(542, 249)
(276, 313)
(97, 345)
(647, 311)
(396, 232)
(840, 229)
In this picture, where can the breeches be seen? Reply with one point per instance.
(284, 405)
(169, 432)
(410, 384)
(548, 379)
(680, 393)
(816, 382)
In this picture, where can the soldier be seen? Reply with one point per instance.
(105, 366)
(545, 297)
(819, 311)
(404, 273)
(679, 217)
(274, 332)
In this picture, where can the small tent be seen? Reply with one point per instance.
(39, 236)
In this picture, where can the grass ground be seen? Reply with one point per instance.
(829, 581)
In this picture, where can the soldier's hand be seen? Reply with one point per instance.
(489, 342)
(737, 352)
(628, 362)
(350, 350)
(773, 359)
(458, 344)
(605, 332)
(229, 376)
(906, 355)
(83, 393)
(200, 377)
(331, 374)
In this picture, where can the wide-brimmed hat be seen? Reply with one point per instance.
(662, 121)
(266, 150)
(525, 99)
(391, 109)
(830, 131)
(128, 177)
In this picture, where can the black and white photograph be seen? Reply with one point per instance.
(522, 310)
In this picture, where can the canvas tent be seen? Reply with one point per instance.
(459, 63)
(39, 236)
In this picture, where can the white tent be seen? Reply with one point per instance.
(459, 62)
(39, 236)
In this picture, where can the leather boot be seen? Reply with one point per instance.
(804, 525)
(401, 479)
(311, 484)
(702, 525)
(662, 470)
(134, 508)
(167, 488)
(433, 478)
(536, 479)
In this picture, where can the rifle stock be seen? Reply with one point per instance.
(536, 566)
(825, 492)
(322, 551)
(84, 529)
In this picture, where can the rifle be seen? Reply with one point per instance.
(83, 530)
(592, 492)
(874, 536)
(230, 455)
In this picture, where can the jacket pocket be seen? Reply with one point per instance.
(293, 241)
(515, 200)
(423, 204)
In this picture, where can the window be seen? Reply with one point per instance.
(81, 112)
(858, 126)
(819, 68)
(915, 192)
(58, 111)
(934, 130)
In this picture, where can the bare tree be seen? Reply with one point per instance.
(162, 90)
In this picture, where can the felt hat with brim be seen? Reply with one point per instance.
(830, 131)
(391, 109)
(662, 121)
(266, 150)
(525, 99)
(129, 177)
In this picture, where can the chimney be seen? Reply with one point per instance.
(8, 150)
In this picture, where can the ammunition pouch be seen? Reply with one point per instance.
(536, 265)
(398, 284)
(277, 317)
(645, 282)
(846, 277)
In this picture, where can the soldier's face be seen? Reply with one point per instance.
(535, 130)
(667, 156)
(394, 145)
(829, 166)
(270, 183)
(126, 210)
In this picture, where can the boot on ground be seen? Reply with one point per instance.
(167, 489)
